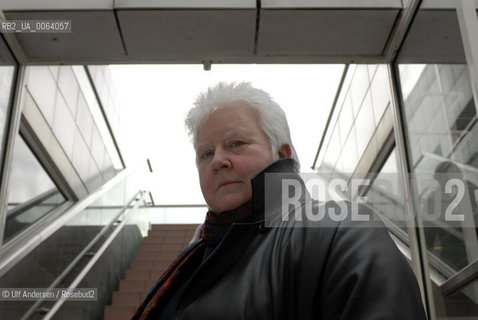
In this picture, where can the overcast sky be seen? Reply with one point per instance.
(154, 100)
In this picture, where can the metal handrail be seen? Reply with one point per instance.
(31, 311)
(463, 166)
(94, 259)
(460, 279)
(14, 250)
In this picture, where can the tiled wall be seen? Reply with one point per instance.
(102, 80)
(62, 101)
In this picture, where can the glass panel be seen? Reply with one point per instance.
(346, 118)
(380, 89)
(64, 126)
(350, 154)
(359, 87)
(31, 194)
(386, 193)
(440, 115)
(441, 122)
(169, 215)
(353, 138)
(42, 87)
(461, 304)
(333, 151)
(364, 125)
(69, 87)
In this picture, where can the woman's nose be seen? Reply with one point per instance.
(220, 161)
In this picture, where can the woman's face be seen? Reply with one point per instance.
(231, 150)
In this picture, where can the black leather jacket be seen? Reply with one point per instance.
(335, 272)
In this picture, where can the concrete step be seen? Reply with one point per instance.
(166, 239)
(156, 255)
(177, 247)
(149, 264)
(171, 234)
(141, 286)
(127, 299)
(189, 227)
(146, 275)
(119, 312)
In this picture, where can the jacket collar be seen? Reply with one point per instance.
(267, 186)
(266, 189)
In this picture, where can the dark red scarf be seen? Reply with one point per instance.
(188, 261)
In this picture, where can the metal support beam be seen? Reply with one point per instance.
(415, 227)
(410, 8)
(468, 22)
(11, 134)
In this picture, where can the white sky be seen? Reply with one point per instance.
(154, 100)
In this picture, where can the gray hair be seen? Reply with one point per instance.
(272, 118)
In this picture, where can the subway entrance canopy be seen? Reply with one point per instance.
(212, 31)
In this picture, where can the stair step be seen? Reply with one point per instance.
(149, 264)
(141, 286)
(119, 312)
(172, 234)
(161, 246)
(156, 255)
(127, 299)
(138, 274)
(189, 227)
(167, 240)
(142, 264)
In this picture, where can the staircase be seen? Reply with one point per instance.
(159, 248)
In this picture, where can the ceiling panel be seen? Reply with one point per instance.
(355, 4)
(187, 34)
(29, 5)
(325, 32)
(434, 37)
(151, 4)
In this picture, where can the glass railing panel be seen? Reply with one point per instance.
(31, 192)
(50, 258)
(176, 214)
(106, 273)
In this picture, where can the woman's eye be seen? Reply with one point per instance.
(236, 144)
(206, 155)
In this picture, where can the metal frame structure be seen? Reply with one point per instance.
(468, 23)
(415, 231)
(13, 125)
